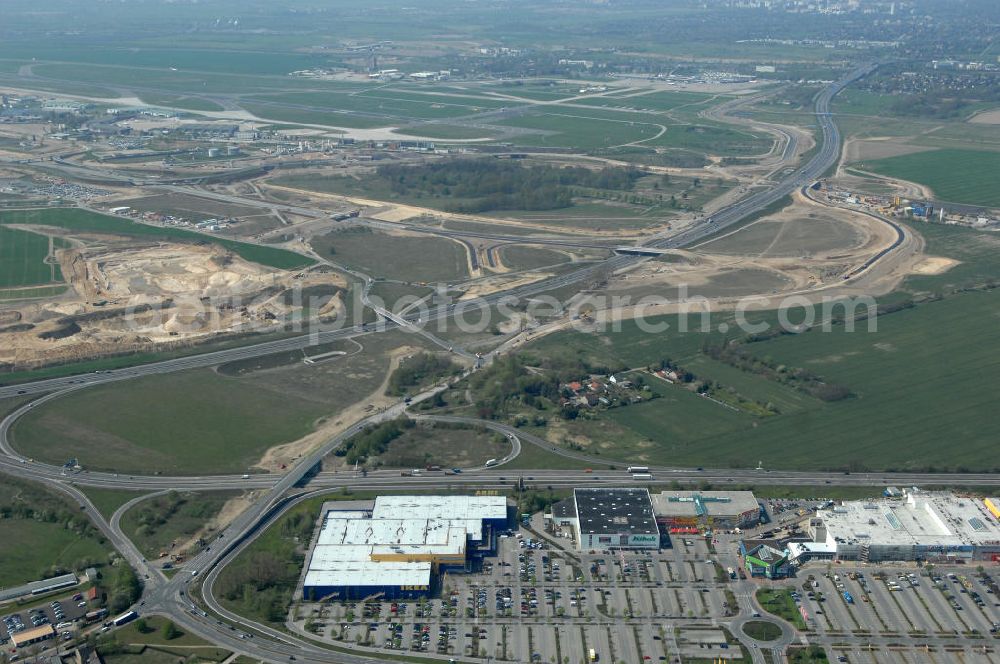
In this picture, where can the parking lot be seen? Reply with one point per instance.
(902, 601)
(533, 602)
(541, 599)
(63, 613)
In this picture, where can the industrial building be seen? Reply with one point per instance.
(931, 526)
(610, 518)
(396, 546)
(693, 511)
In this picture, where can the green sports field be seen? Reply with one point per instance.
(957, 176)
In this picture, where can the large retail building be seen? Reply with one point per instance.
(396, 546)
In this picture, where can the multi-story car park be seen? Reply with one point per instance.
(609, 518)
(691, 511)
(397, 545)
(922, 525)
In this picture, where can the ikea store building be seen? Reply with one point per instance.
(396, 547)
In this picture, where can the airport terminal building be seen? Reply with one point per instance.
(930, 526)
(398, 545)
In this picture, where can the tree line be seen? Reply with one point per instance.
(801, 379)
(482, 185)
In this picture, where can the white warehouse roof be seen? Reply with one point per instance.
(407, 525)
(923, 519)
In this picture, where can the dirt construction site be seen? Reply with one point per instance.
(125, 296)
(804, 247)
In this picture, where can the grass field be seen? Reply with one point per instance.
(151, 645)
(199, 422)
(108, 500)
(32, 547)
(445, 132)
(761, 630)
(192, 422)
(443, 446)
(22, 259)
(909, 395)
(578, 128)
(83, 221)
(180, 101)
(404, 258)
(29, 548)
(779, 602)
(158, 523)
(521, 257)
(957, 176)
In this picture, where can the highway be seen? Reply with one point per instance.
(172, 597)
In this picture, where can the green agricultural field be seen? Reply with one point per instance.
(198, 422)
(975, 251)
(31, 293)
(896, 419)
(22, 259)
(957, 176)
(409, 258)
(158, 523)
(85, 221)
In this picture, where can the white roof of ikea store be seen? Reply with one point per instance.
(441, 507)
(923, 519)
(397, 524)
(351, 565)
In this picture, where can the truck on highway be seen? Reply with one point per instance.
(592, 655)
(491, 462)
(641, 476)
(638, 469)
